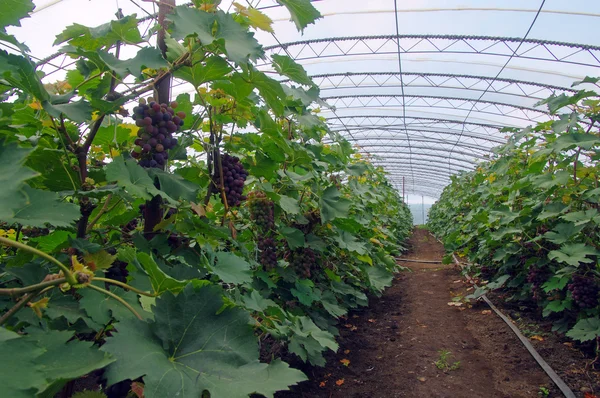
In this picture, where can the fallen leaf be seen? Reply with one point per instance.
(354, 316)
(328, 375)
(536, 337)
(345, 362)
(346, 352)
(458, 281)
(371, 320)
(421, 379)
(589, 395)
(486, 312)
(198, 209)
(455, 304)
(339, 382)
(568, 344)
(322, 384)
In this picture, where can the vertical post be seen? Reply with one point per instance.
(423, 208)
(403, 196)
(153, 212)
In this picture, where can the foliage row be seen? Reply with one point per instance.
(153, 273)
(529, 217)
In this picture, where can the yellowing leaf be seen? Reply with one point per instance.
(345, 362)
(259, 20)
(114, 153)
(99, 260)
(35, 105)
(38, 305)
(322, 384)
(536, 337)
(339, 382)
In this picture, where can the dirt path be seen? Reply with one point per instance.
(393, 344)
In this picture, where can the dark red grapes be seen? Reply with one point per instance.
(303, 260)
(234, 177)
(584, 291)
(261, 211)
(268, 252)
(157, 123)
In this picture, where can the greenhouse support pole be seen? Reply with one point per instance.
(423, 208)
(153, 212)
(403, 196)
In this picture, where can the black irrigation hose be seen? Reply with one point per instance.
(410, 260)
(543, 364)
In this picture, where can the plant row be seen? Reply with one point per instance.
(179, 246)
(528, 218)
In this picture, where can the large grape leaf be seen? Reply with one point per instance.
(302, 12)
(133, 178)
(13, 11)
(214, 68)
(175, 185)
(290, 68)
(585, 329)
(573, 254)
(147, 57)
(240, 44)
(192, 347)
(20, 376)
(22, 204)
(232, 269)
(271, 91)
(333, 205)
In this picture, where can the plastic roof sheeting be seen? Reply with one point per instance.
(421, 87)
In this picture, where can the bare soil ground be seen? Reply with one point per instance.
(390, 349)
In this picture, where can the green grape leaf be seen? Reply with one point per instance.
(573, 254)
(302, 12)
(563, 232)
(293, 236)
(36, 208)
(12, 172)
(557, 306)
(348, 241)
(19, 72)
(587, 79)
(161, 282)
(112, 136)
(21, 377)
(304, 292)
(78, 112)
(290, 68)
(147, 57)
(195, 344)
(331, 305)
(379, 278)
(556, 102)
(333, 205)
(240, 44)
(175, 185)
(270, 90)
(131, 177)
(232, 269)
(213, 68)
(13, 11)
(289, 204)
(255, 302)
(102, 308)
(585, 329)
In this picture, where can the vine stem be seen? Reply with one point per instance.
(100, 213)
(23, 302)
(125, 286)
(32, 288)
(119, 299)
(68, 275)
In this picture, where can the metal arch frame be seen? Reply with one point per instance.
(425, 166)
(433, 178)
(437, 156)
(414, 187)
(427, 77)
(430, 119)
(436, 172)
(420, 161)
(467, 41)
(356, 130)
(431, 140)
(440, 99)
(366, 145)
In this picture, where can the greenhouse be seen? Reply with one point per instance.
(296, 198)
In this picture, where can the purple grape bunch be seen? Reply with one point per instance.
(584, 291)
(157, 123)
(234, 177)
(268, 252)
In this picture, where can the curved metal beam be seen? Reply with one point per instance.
(458, 167)
(430, 119)
(437, 174)
(443, 44)
(399, 130)
(487, 79)
(432, 140)
(361, 146)
(464, 100)
(418, 155)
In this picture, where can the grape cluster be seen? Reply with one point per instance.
(303, 260)
(584, 291)
(118, 271)
(261, 211)
(157, 123)
(536, 277)
(268, 252)
(34, 232)
(234, 177)
(130, 226)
